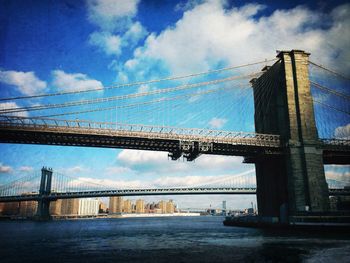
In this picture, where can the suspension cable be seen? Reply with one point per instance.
(329, 70)
(337, 93)
(138, 83)
(123, 97)
(331, 107)
(141, 103)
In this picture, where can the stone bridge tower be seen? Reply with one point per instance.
(294, 182)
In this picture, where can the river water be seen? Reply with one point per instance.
(170, 239)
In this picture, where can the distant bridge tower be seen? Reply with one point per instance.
(294, 182)
(43, 211)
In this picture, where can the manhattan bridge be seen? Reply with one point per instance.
(288, 115)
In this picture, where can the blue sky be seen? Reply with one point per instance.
(53, 46)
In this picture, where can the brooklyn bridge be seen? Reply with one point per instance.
(297, 108)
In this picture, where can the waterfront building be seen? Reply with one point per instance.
(27, 208)
(70, 206)
(140, 206)
(150, 207)
(249, 211)
(55, 207)
(116, 204)
(170, 207)
(157, 211)
(162, 205)
(224, 210)
(88, 206)
(102, 207)
(127, 208)
(166, 207)
(9, 208)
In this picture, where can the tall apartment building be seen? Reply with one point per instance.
(70, 206)
(116, 204)
(170, 207)
(10, 208)
(166, 207)
(140, 206)
(162, 206)
(27, 208)
(88, 206)
(55, 207)
(127, 207)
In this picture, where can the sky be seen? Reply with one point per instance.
(61, 46)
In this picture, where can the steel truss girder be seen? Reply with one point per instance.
(143, 192)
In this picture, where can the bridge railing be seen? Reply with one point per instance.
(139, 130)
(336, 142)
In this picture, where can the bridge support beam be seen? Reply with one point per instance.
(297, 178)
(43, 210)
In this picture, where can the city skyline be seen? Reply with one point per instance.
(117, 205)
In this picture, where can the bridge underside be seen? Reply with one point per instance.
(176, 148)
(331, 154)
(336, 157)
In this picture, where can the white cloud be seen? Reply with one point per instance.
(74, 82)
(157, 163)
(110, 44)
(187, 5)
(143, 88)
(26, 82)
(118, 170)
(13, 105)
(26, 169)
(337, 175)
(111, 14)
(217, 123)
(134, 157)
(110, 184)
(173, 181)
(236, 37)
(116, 26)
(343, 176)
(211, 181)
(5, 169)
(134, 34)
(72, 171)
(342, 132)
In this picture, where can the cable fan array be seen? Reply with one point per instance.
(199, 100)
(331, 96)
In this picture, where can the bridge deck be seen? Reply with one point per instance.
(115, 135)
(145, 192)
(177, 141)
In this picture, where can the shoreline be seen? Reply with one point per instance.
(152, 215)
(100, 216)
